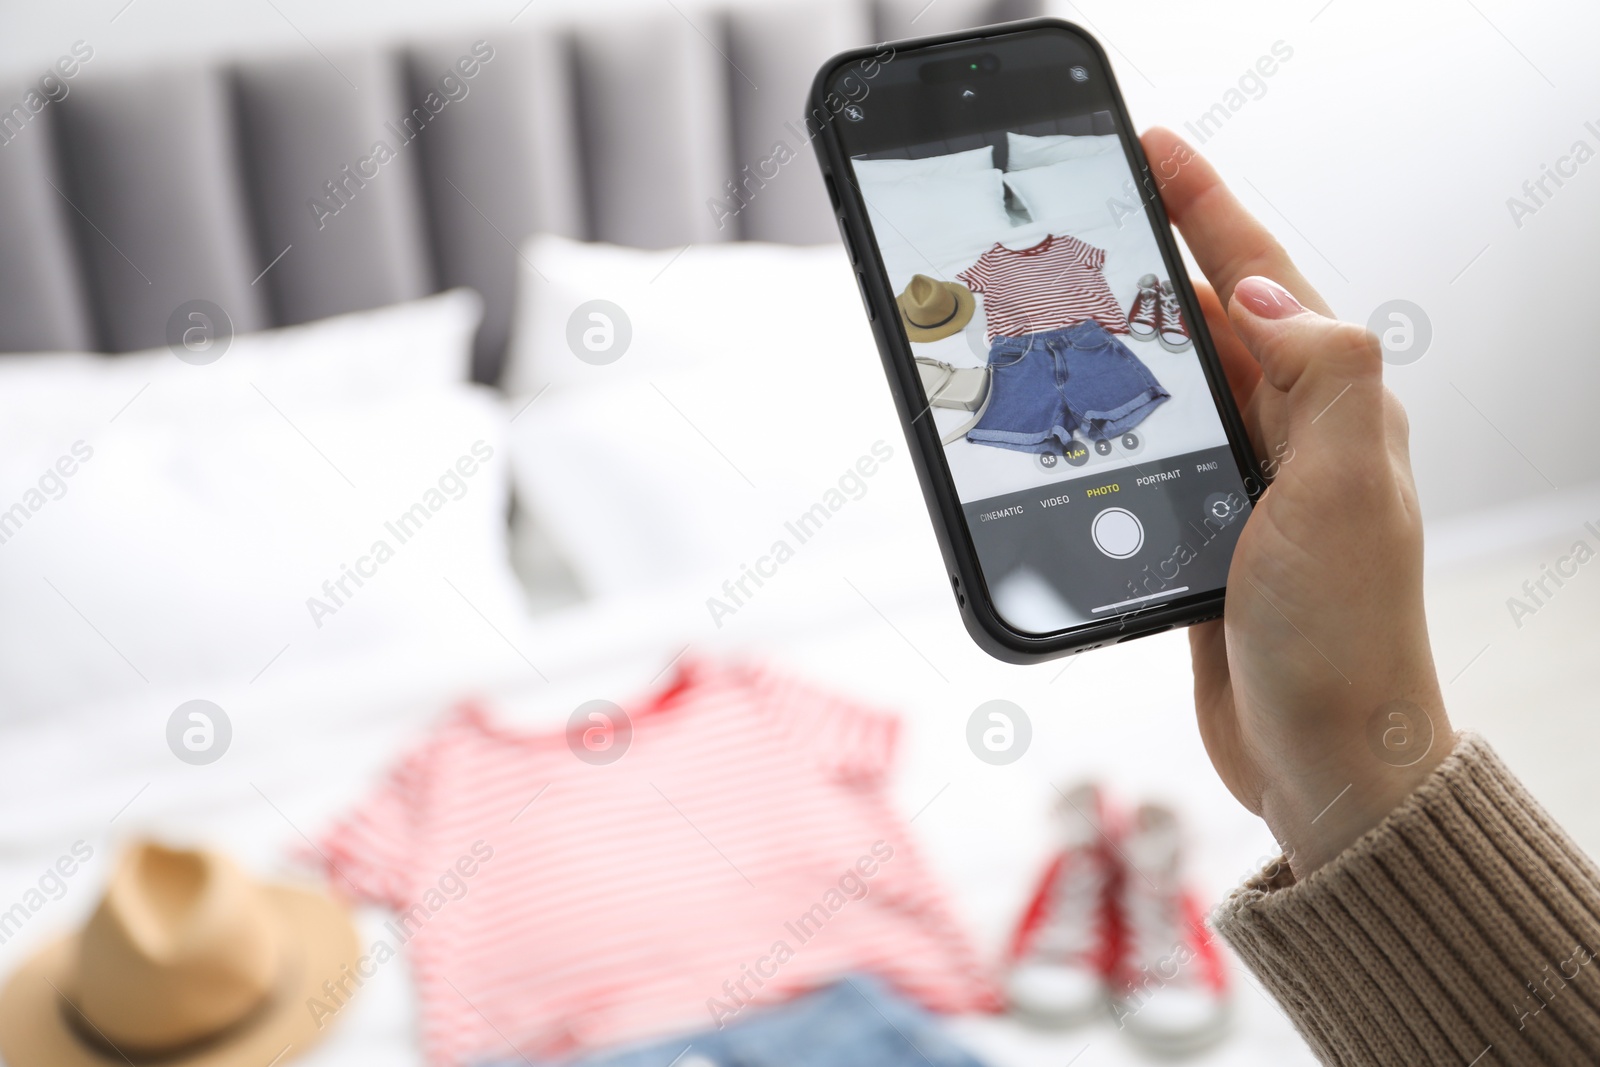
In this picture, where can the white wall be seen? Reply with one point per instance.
(1383, 154)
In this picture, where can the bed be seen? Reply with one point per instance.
(139, 195)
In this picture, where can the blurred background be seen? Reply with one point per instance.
(1439, 154)
(1385, 154)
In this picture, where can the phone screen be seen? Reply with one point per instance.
(1081, 430)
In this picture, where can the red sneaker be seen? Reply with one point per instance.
(1144, 317)
(1069, 939)
(1171, 331)
(1171, 988)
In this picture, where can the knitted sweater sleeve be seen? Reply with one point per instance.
(1462, 930)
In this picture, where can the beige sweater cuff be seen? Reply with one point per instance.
(1467, 921)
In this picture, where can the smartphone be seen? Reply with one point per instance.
(1081, 455)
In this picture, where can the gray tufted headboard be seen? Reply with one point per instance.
(260, 186)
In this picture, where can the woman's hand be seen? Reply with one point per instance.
(1317, 695)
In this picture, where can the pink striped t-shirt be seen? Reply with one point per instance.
(1056, 283)
(742, 850)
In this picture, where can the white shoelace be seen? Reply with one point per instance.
(1144, 311)
(1157, 934)
(1170, 312)
(1074, 895)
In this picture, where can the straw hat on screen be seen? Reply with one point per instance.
(931, 309)
(186, 962)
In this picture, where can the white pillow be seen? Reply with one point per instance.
(736, 410)
(883, 170)
(920, 223)
(183, 552)
(177, 540)
(680, 304)
(1024, 151)
(1076, 194)
(421, 344)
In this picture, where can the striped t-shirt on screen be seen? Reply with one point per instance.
(1056, 283)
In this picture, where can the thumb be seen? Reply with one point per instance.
(1308, 356)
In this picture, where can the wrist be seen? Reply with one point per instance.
(1321, 808)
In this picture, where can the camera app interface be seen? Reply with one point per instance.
(1079, 427)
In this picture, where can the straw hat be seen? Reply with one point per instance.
(931, 309)
(186, 962)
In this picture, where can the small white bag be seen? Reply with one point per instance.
(962, 388)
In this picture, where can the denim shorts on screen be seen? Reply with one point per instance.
(1047, 385)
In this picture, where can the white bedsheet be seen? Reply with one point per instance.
(877, 623)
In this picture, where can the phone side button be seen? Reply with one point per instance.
(849, 241)
(861, 284)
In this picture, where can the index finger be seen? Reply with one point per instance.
(1227, 241)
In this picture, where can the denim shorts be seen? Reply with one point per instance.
(856, 1022)
(1047, 385)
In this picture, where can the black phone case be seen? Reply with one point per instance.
(991, 632)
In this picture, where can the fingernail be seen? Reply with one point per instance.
(1266, 298)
